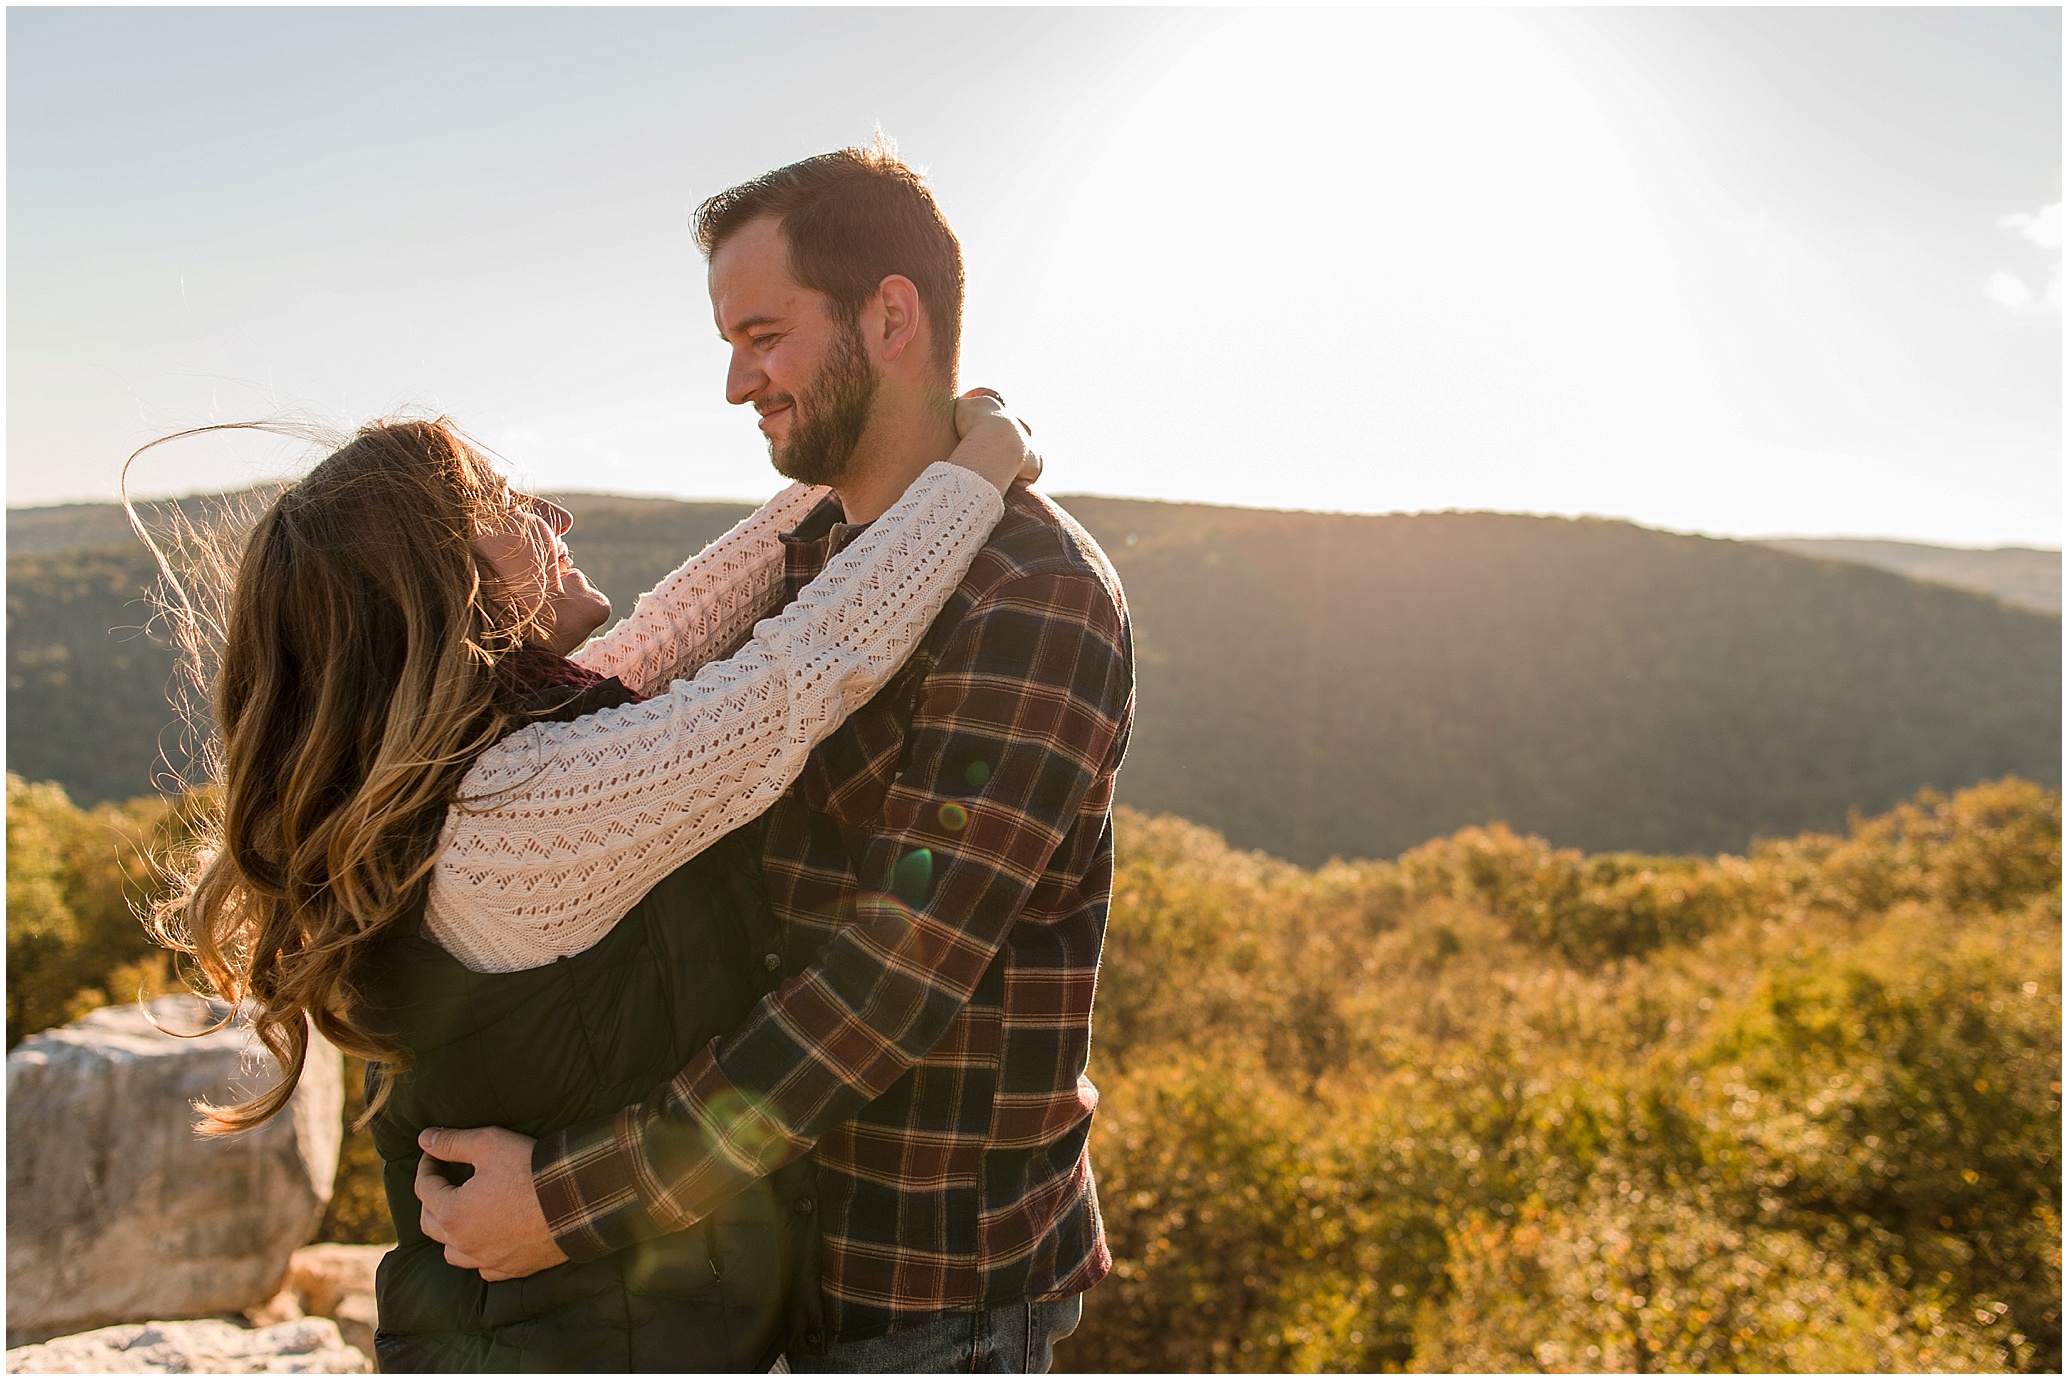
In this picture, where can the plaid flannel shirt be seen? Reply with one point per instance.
(940, 873)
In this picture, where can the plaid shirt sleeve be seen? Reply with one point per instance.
(1024, 709)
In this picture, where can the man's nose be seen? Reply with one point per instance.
(743, 380)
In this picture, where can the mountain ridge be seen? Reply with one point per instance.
(2026, 576)
(1335, 684)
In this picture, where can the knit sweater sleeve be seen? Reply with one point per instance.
(707, 604)
(560, 828)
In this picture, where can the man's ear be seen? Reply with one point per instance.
(899, 323)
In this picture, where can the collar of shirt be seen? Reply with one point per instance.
(813, 543)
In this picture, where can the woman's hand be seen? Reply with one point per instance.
(994, 442)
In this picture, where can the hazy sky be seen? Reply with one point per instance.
(1746, 272)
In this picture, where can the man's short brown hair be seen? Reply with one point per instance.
(851, 218)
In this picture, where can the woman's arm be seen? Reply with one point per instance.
(563, 827)
(707, 604)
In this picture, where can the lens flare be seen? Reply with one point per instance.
(912, 882)
(748, 1128)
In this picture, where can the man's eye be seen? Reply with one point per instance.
(762, 342)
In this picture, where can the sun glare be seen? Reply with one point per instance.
(1405, 268)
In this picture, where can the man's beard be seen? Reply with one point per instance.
(831, 414)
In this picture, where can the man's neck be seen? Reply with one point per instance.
(906, 433)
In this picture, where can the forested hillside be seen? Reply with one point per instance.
(86, 684)
(2022, 575)
(1320, 685)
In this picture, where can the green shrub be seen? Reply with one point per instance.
(1901, 1093)
(76, 882)
(1502, 1107)
(1587, 909)
(1636, 1279)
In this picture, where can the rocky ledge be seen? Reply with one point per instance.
(306, 1346)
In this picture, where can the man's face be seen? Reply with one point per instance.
(805, 372)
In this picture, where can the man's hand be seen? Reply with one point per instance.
(492, 1222)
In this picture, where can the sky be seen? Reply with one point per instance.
(1747, 272)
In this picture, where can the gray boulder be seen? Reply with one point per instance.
(307, 1346)
(117, 1210)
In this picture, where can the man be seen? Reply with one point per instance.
(940, 872)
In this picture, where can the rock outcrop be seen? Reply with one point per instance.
(335, 1280)
(357, 1317)
(322, 1276)
(117, 1210)
(308, 1346)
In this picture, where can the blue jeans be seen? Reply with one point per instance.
(1018, 1339)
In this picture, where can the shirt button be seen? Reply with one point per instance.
(803, 1206)
(811, 1337)
(771, 961)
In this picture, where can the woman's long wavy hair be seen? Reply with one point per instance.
(354, 683)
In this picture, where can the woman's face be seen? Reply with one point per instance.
(533, 565)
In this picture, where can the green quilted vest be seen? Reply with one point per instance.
(584, 1036)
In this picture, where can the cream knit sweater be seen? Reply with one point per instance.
(561, 828)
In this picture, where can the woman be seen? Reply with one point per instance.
(515, 881)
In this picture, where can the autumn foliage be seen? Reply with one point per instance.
(1493, 1106)
(1499, 1107)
